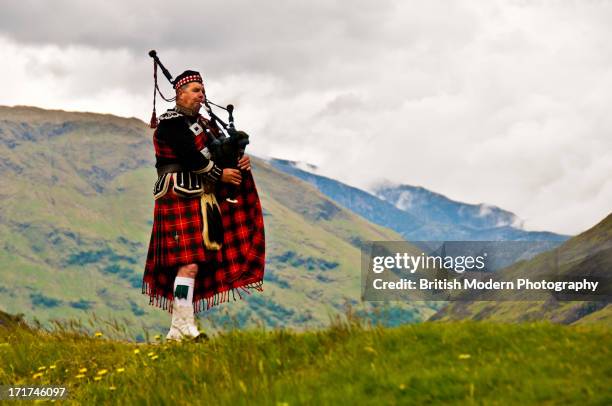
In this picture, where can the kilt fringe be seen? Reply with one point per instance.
(159, 300)
(222, 297)
(156, 299)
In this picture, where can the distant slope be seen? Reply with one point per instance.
(419, 214)
(76, 218)
(589, 253)
(434, 207)
(356, 200)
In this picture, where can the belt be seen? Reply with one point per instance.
(169, 169)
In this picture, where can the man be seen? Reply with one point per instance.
(202, 247)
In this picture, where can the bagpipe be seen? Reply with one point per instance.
(229, 146)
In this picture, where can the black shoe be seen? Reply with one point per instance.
(203, 337)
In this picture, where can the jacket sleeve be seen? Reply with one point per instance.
(179, 137)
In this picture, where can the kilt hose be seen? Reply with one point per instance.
(176, 240)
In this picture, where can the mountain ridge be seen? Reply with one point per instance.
(425, 224)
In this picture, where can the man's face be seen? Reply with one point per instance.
(191, 96)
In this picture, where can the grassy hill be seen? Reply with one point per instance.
(589, 253)
(76, 198)
(347, 363)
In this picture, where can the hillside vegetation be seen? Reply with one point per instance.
(76, 218)
(587, 254)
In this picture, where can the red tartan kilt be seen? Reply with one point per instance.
(238, 266)
(176, 237)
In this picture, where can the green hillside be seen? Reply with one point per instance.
(76, 218)
(589, 253)
(347, 363)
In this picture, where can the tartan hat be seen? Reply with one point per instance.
(187, 77)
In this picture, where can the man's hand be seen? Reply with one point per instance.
(232, 176)
(244, 163)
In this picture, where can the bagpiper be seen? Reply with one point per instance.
(207, 242)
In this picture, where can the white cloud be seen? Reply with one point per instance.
(405, 200)
(500, 102)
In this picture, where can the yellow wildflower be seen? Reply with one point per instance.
(98, 334)
(151, 354)
(112, 388)
(120, 369)
(155, 357)
(97, 378)
(82, 370)
(136, 351)
(38, 375)
(79, 376)
(464, 356)
(102, 371)
(51, 366)
(242, 386)
(402, 386)
(42, 368)
(157, 337)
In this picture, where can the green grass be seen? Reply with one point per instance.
(347, 363)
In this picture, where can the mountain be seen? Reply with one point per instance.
(76, 215)
(418, 214)
(437, 208)
(589, 253)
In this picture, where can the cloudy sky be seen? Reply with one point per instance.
(502, 102)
